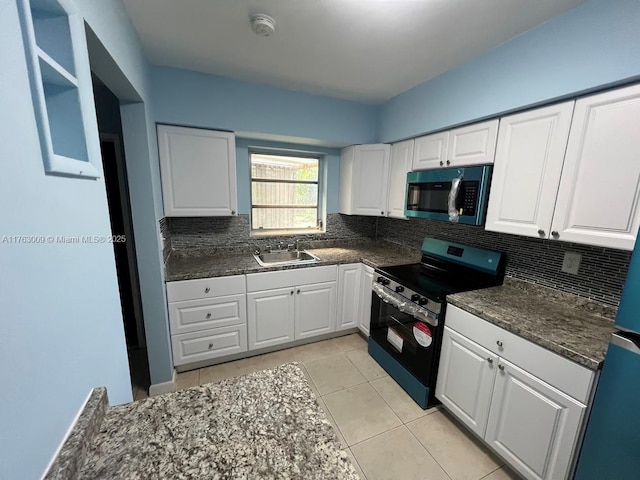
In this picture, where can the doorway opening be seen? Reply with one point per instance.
(117, 189)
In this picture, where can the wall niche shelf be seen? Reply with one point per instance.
(61, 87)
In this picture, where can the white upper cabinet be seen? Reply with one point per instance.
(430, 151)
(526, 174)
(198, 170)
(364, 179)
(600, 184)
(401, 158)
(471, 145)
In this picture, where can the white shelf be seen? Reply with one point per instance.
(54, 73)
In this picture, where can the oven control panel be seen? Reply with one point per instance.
(410, 295)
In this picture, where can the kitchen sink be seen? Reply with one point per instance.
(285, 257)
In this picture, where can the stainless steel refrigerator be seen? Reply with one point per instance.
(611, 448)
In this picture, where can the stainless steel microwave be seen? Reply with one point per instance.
(429, 191)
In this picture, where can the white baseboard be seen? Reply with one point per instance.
(164, 387)
(66, 435)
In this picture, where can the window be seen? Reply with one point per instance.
(284, 192)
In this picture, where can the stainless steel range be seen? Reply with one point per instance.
(408, 310)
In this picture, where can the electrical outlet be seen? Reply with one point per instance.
(571, 262)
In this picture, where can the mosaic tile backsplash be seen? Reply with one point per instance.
(233, 233)
(600, 277)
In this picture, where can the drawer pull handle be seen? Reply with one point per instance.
(501, 367)
(209, 315)
(210, 346)
(499, 343)
(207, 290)
(490, 360)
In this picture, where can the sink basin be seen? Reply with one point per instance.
(285, 257)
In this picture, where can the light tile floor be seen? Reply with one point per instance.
(384, 432)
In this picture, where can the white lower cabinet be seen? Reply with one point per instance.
(271, 317)
(207, 318)
(365, 299)
(349, 281)
(302, 306)
(531, 423)
(465, 380)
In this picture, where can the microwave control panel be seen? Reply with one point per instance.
(469, 197)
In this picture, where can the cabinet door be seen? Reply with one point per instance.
(370, 179)
(600, 184)
(365, 299)
(270, 317)
(532, 425)
(349, 280)
(198, 172)
(430, 151)
(526, 173)
(465, 379)
(400, 165)
(315, 310)
(472, 145)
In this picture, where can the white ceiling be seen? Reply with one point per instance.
(364, 50)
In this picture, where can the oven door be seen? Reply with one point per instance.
(412, 342)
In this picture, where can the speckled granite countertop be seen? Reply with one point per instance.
(194, 264)
(576, 328)
(266, 425)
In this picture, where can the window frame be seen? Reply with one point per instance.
(321, 201)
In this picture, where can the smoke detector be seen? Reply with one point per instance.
(263, 24)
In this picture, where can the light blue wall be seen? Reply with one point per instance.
(61, 331)
(330, 156)
(595, 44)
(189, 98)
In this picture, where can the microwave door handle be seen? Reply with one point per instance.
(454, 214)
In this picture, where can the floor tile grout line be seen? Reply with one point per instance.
(358, 463)
(491, 473)
(389, 405)
(427, 450)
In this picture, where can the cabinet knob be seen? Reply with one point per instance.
(291, 292)
(209, 315)
(555, 234)
(298, 291)
(233, 212)
(441, 163)
(541, 232)
(499, 343)
(448, 162)
(490, 360)
(381, 213)
(501, 367)
(207, 290)
(210, 346)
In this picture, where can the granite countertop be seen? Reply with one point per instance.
(571, 326)
(192, 264)
(266, 425)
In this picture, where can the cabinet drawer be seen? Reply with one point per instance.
(204, 314)
(207, 344)
(205, 288)
(563, 374)
(289, 278)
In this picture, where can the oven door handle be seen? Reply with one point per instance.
(404, 305)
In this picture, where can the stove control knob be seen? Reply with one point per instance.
(423, 301)
(383, 281)
(399, 289)
(415, 297)
(380, 280)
